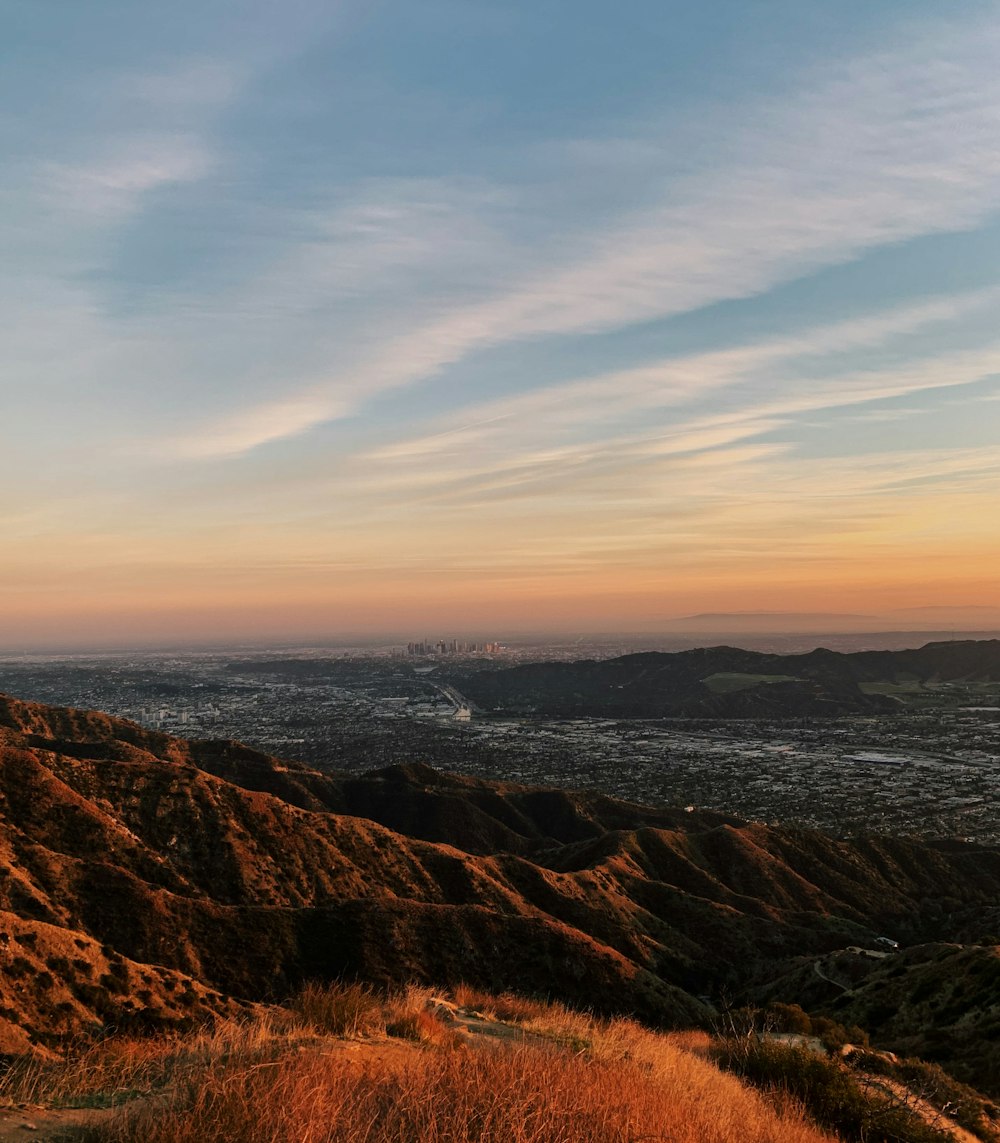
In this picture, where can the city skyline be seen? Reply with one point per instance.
(356, 319)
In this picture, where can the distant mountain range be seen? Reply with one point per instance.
(963, 618)
(147, 881)
(727, 682)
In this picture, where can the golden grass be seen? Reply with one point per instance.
(405, 1003)
(281, 1077)
(514, 1095)
(505, 1006)
(344, 1009)
(693, 1040)
(120, 1068)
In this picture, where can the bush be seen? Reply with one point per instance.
(790, 1018)
(964, 1104)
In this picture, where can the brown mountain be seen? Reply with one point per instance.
(146, 879)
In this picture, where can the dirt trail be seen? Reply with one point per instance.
(473, 1025)
(49, 1123)
(829, 979)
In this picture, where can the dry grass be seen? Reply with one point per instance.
(519, 1095)
(120, 1068)
(280, 1077)
(695, 1040)
(347, 1009)
(406, 1003)
(505, 1006)
(409, 1015)
(434, 1031)
(547, 1019)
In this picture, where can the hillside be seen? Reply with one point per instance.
(727, 682)
(146, 880)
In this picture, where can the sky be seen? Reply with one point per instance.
(457, 317)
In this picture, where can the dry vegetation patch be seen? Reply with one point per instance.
(837, 1098)
(424, 1069)
(517, 1095)
(349, 1010)
(122, 1068)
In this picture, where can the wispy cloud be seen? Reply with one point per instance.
(114, 184)
(273, 421)
(765, 377)
(877, 150)
(209, 263)
(157, 132)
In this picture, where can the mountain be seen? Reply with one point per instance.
(727, 682)
(730, 624)
(958, 615)
(770, 622)
(147, 880)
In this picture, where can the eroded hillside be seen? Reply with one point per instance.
(146, 879)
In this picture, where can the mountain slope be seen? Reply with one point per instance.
(727, 682)
(244, 875)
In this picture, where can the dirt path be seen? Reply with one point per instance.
(829, 979)
(474, 1026)
(48, 1123)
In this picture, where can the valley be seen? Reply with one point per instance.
(927, 764)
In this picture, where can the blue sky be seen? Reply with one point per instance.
(342, 316)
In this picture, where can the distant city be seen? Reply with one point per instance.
(932, 769)
(454, 647)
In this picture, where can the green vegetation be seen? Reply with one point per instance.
(728, 682)
(884, 687)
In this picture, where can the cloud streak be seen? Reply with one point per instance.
(883, 148)
(115, 185)
(765, 380)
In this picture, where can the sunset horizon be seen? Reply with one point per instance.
(353, 320)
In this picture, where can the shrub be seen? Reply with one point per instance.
(20, 966)
(790, 1018)
(932, 1083)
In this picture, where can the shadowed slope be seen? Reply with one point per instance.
(727, 682)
